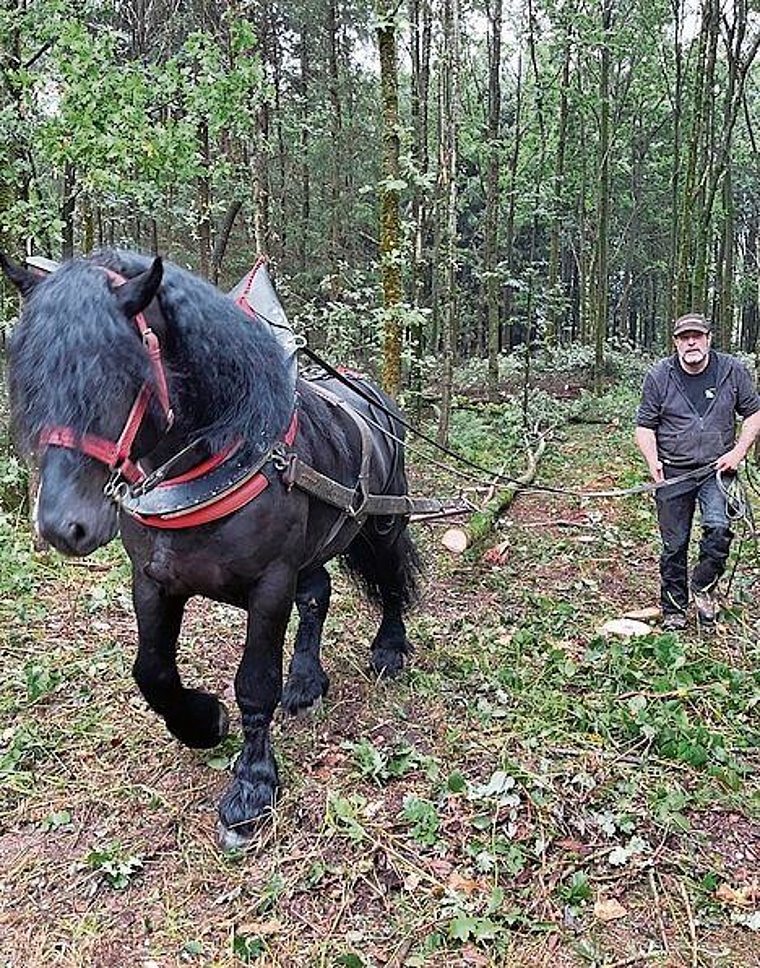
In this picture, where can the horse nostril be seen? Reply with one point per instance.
(76, 533)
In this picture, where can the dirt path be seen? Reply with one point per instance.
(528, 793)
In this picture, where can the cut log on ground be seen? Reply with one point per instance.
(459, 539)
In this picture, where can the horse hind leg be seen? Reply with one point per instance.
(388, 566)
(307, 682)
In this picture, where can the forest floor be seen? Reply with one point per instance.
(529, 792)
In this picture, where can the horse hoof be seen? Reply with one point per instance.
(233, 838)
(245, 806)
(223, 723)
(308, 712)
(387, 663)
(203, 722)
(303, 696)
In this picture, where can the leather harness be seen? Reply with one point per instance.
(230, 479)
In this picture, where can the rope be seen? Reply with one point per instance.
(735, 495)
(739, 511)
(493, 476)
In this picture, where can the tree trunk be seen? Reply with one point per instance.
(509, 229)
(68, 205)
(303, 234)
(491, 241)
(390, 218)
(677, 104)
(336, 137)
(223, 237)
(558, 204)
(601, 298)
(421, 27)
(203, 203)
(448, 181)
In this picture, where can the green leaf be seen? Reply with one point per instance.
(456, 783)
(247, 948)
(59, 818)
(462, 928)
(350, 960)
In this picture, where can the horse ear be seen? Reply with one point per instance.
(22, 278)
(135, 294)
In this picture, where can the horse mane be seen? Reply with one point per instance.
(72, 360)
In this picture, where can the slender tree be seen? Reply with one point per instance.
(491, 234)
(390, 218)
(449, 127)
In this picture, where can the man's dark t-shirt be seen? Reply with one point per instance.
(700, 387)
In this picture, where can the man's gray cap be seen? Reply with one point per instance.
(692, 323)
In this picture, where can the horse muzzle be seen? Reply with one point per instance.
(71, 512)
(77, 535)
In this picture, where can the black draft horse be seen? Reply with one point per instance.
(93, 394)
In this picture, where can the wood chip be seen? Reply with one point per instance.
(625, 628)
(608, 909)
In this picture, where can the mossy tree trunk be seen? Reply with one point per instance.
(390, 217)
(449, 195)
(491, 240)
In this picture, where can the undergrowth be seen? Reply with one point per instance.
(531, 791)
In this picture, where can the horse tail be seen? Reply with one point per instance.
(385, 564)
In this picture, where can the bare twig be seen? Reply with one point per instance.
(692, 926)
(635, 959)
(658, 910)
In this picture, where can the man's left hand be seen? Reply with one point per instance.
(730, 461)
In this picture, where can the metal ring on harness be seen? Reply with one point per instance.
(116, 488)
(353, 510)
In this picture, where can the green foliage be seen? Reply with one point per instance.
(345, 815)
(423, 819)
(247, 948)
(56, 820)
(382, 765)
(115, 865)
(577, 889)
(41, 680)
(16, 566)
(465, 927)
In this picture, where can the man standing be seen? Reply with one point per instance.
(686, 422)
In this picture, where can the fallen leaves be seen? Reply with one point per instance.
(609, 909)
(740, 897)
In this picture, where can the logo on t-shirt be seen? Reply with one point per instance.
(710, 392)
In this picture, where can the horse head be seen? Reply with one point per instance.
(84, 394)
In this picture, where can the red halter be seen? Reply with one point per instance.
(117, 455)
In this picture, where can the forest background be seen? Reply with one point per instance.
(431, 181)
(436, 185)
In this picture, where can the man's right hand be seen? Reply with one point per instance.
(646, 441)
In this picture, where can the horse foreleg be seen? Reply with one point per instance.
(258, 687)
(196, 718)
(307, 681)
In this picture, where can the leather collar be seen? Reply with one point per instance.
(213, 489)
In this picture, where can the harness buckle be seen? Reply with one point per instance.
(280, 456)
(356, 510)
(116, 488)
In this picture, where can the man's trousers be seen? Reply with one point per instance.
(675, 514)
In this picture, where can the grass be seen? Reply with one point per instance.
(529, 792)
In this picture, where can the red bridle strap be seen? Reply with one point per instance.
(114, 455)
(153, 349)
